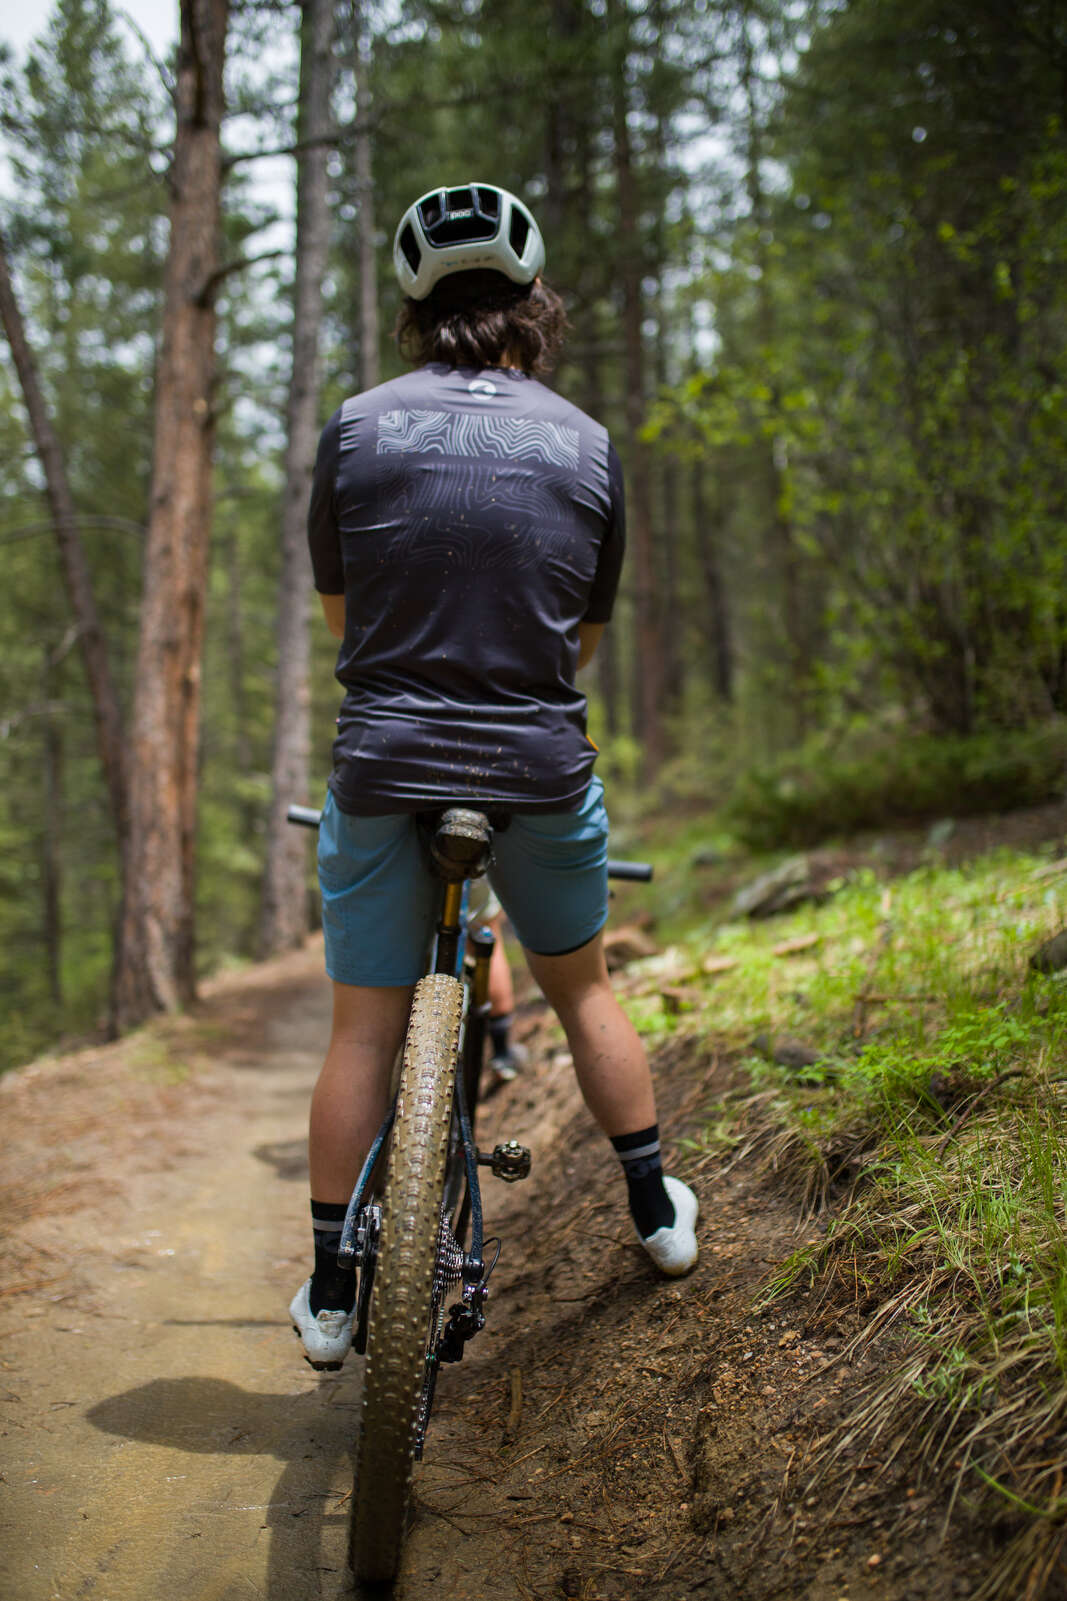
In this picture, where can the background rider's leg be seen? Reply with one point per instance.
(350, 1097)
(505, 1058)
(501, 988)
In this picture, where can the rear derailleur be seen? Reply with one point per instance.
(465, 1320)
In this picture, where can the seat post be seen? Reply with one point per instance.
(448, 928)
(460, 849)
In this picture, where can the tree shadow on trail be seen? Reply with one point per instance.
(311, 1433)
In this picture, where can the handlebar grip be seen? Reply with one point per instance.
(308, 816)
(641, 872)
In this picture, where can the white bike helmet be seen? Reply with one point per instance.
(457, 230)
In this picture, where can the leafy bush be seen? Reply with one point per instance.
(820, 791)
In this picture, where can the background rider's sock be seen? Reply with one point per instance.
(650, 1205)
(499, 1029)
(332, 1286)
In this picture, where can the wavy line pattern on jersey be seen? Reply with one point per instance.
(472, 433)
(460, 525)
(506, 497)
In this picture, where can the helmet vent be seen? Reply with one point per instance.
(488, 202)
(519, 232)
(462, 225)
(409, 246)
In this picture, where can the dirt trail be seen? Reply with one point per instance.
(610, 1435)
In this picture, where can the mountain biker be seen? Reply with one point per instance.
(466, 533)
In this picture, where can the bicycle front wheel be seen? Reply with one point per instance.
(403, 1327)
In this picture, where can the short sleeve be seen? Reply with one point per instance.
(323, 540)
(612, 548)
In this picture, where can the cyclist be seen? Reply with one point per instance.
(466, 532)
(506, 1058)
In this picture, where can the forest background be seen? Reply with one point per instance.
(813, 257)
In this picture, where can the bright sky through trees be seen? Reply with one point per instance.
(157, 20)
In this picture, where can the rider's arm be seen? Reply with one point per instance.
(588, 640)
(609, 562)
(324, 544)
(333, 609)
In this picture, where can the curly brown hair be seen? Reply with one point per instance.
(482, 319)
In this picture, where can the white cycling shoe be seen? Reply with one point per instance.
(327, 1336)
(674, 1250)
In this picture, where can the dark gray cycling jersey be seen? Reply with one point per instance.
(472, 520)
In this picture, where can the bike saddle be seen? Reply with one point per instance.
(461, 845)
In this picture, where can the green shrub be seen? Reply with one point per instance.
(820, 791)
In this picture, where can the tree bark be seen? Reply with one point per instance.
(107, 713)
(369, 360)
(156, 948)
(718, 631)
(52, 837)
(648, 684)
(284, 920)
(672, 611)
(781, 546)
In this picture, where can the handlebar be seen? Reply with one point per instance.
(640, 872)
(306, 816)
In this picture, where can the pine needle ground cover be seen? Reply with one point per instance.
(902, 1074)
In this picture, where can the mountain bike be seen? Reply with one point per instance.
(414, 1230)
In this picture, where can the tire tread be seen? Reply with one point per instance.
(400, 1304)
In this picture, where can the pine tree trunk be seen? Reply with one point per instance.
(240, 750)
(52, 837)
(369, 362)
(107, 713)
(155, 969)
(717, 631)
(781, 545)
(647, 707)
(284, 920)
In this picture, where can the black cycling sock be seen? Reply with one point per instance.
(332, 1286)
(499, 1029)
(650, 1206)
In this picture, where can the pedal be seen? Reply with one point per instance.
(509, 1162)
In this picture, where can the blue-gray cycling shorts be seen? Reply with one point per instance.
(380, 900)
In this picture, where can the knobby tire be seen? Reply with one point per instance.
(403, 1284)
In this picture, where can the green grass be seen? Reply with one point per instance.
(932, 1136)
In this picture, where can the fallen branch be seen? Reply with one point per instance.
(511, 1427)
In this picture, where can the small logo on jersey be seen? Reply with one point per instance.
(481, 386)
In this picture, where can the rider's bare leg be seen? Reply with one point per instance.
(614, 1078)
(350, 1096)
(609, 1059)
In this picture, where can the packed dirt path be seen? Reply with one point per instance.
(610, 1434)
